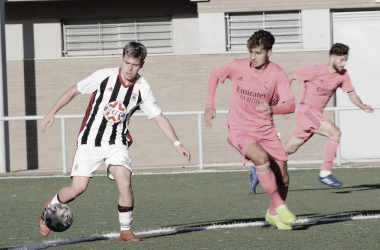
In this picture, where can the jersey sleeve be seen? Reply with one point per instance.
(305, 73)
(224, 71)
(346, 84)
(92, 82)
(284, 91)
(149, 103)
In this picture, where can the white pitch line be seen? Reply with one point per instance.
(189, 229)
(180, 172)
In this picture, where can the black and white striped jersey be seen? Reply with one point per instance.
(111, 106)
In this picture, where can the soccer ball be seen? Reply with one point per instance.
(58, 217)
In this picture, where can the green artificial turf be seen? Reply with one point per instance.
(196, 200)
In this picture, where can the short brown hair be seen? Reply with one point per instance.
(261, 38)
(135, 50)
(339, 49)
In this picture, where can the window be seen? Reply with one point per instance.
(286, 28)
(109, 36)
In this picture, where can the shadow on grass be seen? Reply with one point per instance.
(188, 228)
(359, 188)
(339, 190)
(47, 244)
(331, 218)
(315, 220)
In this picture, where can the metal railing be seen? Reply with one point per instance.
(200, 130)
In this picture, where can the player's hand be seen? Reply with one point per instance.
(368, 109)
(210, 113)
(49, 118)
(183, 152)
(265, 108)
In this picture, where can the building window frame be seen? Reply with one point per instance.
(109, 36)
(287, 35)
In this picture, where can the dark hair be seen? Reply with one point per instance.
(339, 49)
(135, 50)
(261, 38)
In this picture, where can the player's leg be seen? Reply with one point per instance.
(120, 169)
(268, 181)
(122, 177)
(328, 129)
(254, 181)
(280, 169)
(265, 174)
(282, 179)
(86, 161)
(65, 195)
(293, 144)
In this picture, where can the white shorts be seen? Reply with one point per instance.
(88, 158)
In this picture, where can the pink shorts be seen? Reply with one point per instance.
(271, 143)
(307, 120)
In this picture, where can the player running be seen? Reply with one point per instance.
(116, 94)
(320, 83)
(257, 86)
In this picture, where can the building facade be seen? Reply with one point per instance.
(51, 45)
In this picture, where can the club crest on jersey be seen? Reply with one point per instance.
(115, 112)
(265, 86)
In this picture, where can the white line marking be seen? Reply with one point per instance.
(190, 229)
(179, 172)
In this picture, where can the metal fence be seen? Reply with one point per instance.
(184, 113)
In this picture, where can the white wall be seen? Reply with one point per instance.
(47, 39)
(212, 32)
(361, 32)
(185, 34)
(316, 29)
(13, 40)
(33, 39)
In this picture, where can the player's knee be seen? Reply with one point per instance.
(290, 149)
(261, 160)
(336, 133)
(125, 187)
(78, 190)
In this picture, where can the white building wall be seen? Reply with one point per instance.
(14, 40)
(212, 32)
(360, 130)
(316, 29)
(47, 39)
(33, 39)
(185, 34)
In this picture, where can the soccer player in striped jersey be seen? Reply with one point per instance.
(320, 83)
(116, 94)
(257, 84)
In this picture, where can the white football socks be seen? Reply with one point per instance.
(125, 219)
(54, 200)
(324, 173)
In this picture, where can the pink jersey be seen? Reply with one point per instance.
(319, 85)
(248, 88)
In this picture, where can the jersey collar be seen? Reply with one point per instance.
(127, 85)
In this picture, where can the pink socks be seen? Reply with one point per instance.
(330, 150)
(268, 182)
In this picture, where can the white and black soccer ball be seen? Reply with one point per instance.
(58, 217)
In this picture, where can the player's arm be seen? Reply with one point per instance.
(64, 99)
(356, 100)
(291, 77)
(287, 107)
(210, 112)
(167, 128)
